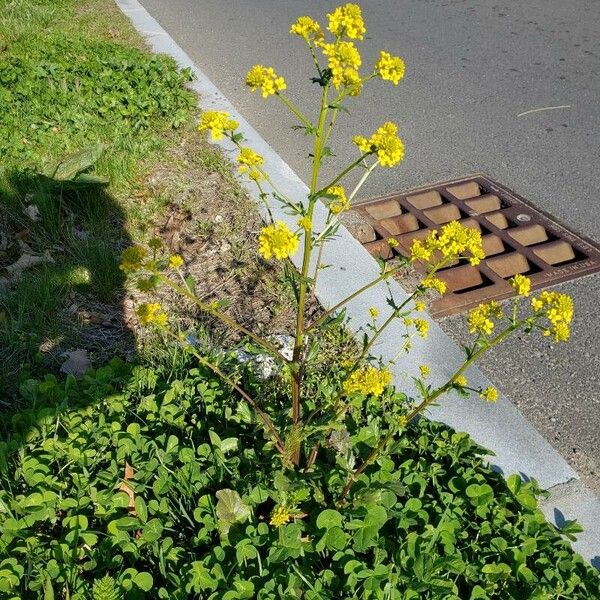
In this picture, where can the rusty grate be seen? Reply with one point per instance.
(517, 238)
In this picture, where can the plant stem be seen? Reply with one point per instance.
(342, 174)
(351, 297)
(295, 110)
(423, 405)
(297, 359)
(261, 414)
(184, 291)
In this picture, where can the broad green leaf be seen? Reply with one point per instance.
(329, 518)
(230, 509)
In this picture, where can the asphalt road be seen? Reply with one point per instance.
(472, 69)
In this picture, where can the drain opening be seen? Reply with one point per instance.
(517, 238)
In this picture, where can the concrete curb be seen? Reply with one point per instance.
(517, 446)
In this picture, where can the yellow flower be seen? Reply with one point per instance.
(422, 326)
(305, 223)
(248, 157)
(217, 122)
(425, 370)
(368, 380)
(280, 516)
(344, 60)
(340, 202)
(266, 79)
(373, 312)
(364, 145)
(419, 306)
(175, 261)
(489, 394)
(306, 28)
(151, 313)
(392, 242)
(250, 162)
(461, 381)
(347, 20)
(433, 283)
(277, 240)
(558, 309)
(388, 146)
(133, 258)
(521, 284)
(480, 318)
(452, 242)
(390, 68)
(402, 421)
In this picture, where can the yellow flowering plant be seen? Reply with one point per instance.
(304, 431)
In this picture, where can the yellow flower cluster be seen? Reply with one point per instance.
(480, 318)
(266, 79)
(425, 370)
(434, 283)
(133, 258)
(373, 312)
(461, 381)
(151, 313)
(305, 223)
(393, 242)
(489, 394)
(452, 242)
(419, 306)
(422, 327)
(558, 309)
(521, 284)
(347, 20)
(250, 162)
(280, 516)
(390, 68)
(340, 202)
(217, 122)
(277, 240)
(344, 61)
(385, 142)
(307, 28)
(175, 261)
(368, 380)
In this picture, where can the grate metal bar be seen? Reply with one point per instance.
(518, 237)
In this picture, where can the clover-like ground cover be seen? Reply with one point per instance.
(158, 485)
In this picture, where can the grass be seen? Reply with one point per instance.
(75, 74)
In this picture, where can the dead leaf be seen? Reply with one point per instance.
(26, 261)
(33, 212)
(123, 487)
(77, 363)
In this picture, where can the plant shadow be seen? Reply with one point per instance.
(61, 290)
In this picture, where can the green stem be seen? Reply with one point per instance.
(184, 291)
(351, 297)
(297, 373)
(423, 405)
(261, 414)
(342, 174)
(295, 110)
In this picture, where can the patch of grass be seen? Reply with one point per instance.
(73, 74)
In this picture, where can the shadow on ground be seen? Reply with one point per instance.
(61, 291)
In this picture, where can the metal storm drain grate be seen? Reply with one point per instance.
(517, 238)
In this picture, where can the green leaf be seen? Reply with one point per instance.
(230, 509)
(329, 518)
(141, 509)
(144, 581)
(48, 589)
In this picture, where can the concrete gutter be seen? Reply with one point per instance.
(517, 446)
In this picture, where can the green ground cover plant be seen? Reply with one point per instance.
(132, 484)
(73, 80)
